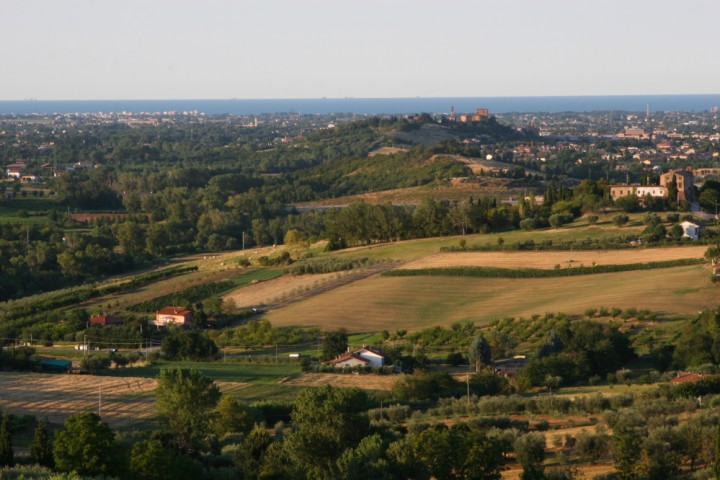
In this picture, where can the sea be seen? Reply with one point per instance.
(373, 106)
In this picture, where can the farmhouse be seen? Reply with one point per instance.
(690, 230)
(172, 316)
(641, 191)
(509, 367)
(105, 319)
(365, 356)
(15, 170)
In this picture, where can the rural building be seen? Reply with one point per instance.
(634, 132)
(704, 172)
(685, 182)
(479, 115)
(641, 191)
(509, 367)
(28, 179)
(365, 356)
(15, 170)
(690, 230)
(55, 365)
(105, 319)
(172, 316)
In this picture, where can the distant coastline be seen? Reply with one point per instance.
(372, 106)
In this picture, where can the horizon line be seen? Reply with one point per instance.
(419, 97)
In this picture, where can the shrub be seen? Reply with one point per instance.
(528, 224)
(95, 364)
(620, 220)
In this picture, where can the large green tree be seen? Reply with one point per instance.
(185, 400)
(84, 445)
(334, 344)
(479, 354)
(626, 450)
(326, 422)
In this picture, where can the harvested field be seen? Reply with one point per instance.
(386, 151)
(367, 382)
(413, 303)
(125, 401)
(291, 288)
(278, 289)
(549, 258)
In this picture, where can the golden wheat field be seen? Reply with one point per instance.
(551, 258)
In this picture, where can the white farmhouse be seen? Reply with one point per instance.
(365, 356)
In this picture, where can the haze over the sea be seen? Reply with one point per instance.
(372, 106)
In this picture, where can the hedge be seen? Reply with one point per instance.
(496, 272)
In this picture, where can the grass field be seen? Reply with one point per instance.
(414, 303)
(416, 249)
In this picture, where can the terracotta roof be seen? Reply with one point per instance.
(687, 377)
(174, 311)
(105, 319)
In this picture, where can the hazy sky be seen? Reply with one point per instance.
(147, 49)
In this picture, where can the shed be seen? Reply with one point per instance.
(55, 365)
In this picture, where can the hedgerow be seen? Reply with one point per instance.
(327, 265)
(496, 272)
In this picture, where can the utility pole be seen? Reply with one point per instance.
(99, 398)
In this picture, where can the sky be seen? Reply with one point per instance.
(208, 49)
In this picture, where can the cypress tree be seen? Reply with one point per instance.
(6, 450)
(41, 449)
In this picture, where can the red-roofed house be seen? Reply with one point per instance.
(365, 356)
(172, 315)
(105, 319)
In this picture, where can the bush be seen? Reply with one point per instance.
(95, 364)
(528, 224)
(620, 220)
(192, 345)
(592, 219)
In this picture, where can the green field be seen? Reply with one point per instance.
(413, 303)
(578, 230)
